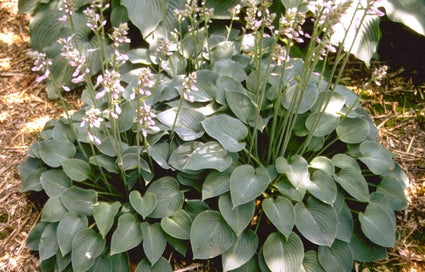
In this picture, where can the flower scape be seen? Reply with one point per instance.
(225, 136)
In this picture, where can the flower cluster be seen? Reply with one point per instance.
(67, 7)
(41, 63)
(94, 19)
(290, 25)
(379, 74)
(145, 119)
(193, 12)
(189, 86)
(145, 116)
(119, 37)
(258, 15)
(145, 82)
(93, 119)
(110, 80)
(75, 59)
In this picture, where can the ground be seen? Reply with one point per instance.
(397, 107)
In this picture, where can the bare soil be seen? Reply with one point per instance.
(397, 107)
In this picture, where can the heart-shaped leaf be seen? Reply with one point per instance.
(364, 250)
(69, 225)
(239, 217)
(322, 186)
(104, 216)
(210, 236)
(127, 235)
(228, 131)
(394, 192)
(300, 101)
(378, 224)
(143, 205)
(241, 105)
(353, 131)
(324, 164)
(311, 262)
(54, 152)
(30, 171)
(376, 157)
(54, 182)
(338, 257)
(353, 182)
(281, 213)
(296, 169)
(177, 225)
(247, 183)
(188, 123)
(80, 201)
(154, 242)
(169, 198)
(318, 222)
(87, 245)
(215, 184)
(210, 155)
(345, 224)
(230, 68)
(162, 265)
(53, 210)
(281, 254)
(48, 245)
(76, 169)
(321, 123)
(241, 252)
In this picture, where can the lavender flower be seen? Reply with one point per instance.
(93, 13)
(93, 119)
(41, 63)
(119, 35)
(145, 81)
(75, 59)
(111, 83)
(291, 24)
(189, 86)
(145, 119)
(67, 7)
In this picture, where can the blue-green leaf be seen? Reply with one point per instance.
(215, 184)
(143, 205)
(317, 222)
(247, 183)
(210, 236)
(87, 245)
(48, 245)
(338, 257)
(104, 216)
(162, 265)
(281, 254)
(55, 181)
(169, 198)
(241, 252)
(177, 225)
(228, 131)
(281, 213)
(154, 241)
(238, 217)
(296, 169)
(210, 155)
(76, 169)
(80, 201)
(127, 235)
(54, 152)
(69, 225)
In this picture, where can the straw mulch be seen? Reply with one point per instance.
(24, 108)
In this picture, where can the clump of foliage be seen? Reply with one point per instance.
(211, 141)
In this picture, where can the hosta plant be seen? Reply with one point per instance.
(209, 142)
